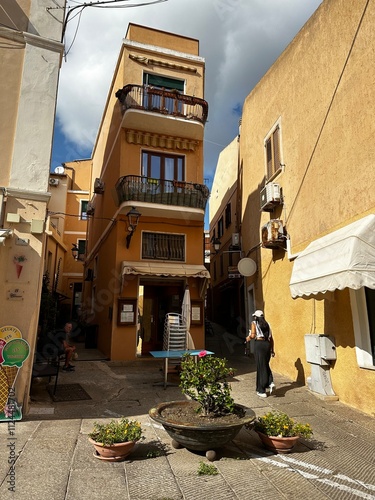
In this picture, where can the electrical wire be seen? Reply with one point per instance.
(101, 4)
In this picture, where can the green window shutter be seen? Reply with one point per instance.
(163, 82)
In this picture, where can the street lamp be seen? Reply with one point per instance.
(133, 218)
(216, 244)
(75, 251)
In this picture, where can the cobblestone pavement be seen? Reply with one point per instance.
(53, 458)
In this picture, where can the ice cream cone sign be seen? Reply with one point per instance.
(19, 260)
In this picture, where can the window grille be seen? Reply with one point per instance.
(163, 246)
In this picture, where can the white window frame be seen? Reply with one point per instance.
(361, 329)
(81, 217)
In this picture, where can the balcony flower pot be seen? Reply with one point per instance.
(115, 440)
(210, 419)
(280, 433)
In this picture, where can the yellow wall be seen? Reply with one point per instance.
(321, 99)
(163, 39)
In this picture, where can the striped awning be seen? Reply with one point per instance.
(164, 269)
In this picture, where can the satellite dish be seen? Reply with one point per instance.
(247, 267)
(59, 170)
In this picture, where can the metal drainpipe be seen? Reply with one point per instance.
(291, 256)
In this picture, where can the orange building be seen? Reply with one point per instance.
(146, 229)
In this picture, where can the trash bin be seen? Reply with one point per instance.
(91, 337)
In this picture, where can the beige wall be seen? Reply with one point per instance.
(320, 91)
(30, 62)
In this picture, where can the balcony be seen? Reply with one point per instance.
(132, 188)
(169, 112)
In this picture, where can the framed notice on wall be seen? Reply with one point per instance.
(126, 311)
(196, 312)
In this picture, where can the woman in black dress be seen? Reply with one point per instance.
(263, 350)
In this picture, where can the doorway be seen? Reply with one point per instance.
(158, 300)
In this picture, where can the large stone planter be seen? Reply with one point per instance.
(207, 436)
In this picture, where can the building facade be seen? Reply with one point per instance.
(145, 234)
(31, 52)
(308, 203)
(66, 228)
(227, 284)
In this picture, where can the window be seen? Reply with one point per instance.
(160, 102)
(163, 82)
(163, 166)
(273, 152)
(163, 246)
(363, 310)
(228, 215)
(220, 228)
(83, 210)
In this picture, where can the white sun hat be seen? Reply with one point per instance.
(258, 314)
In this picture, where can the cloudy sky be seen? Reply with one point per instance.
(239, 39)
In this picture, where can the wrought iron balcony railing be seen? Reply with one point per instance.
(166, 102)
(166, 192)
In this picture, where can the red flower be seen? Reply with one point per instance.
(202, 354)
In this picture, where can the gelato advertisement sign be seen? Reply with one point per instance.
(14, 351)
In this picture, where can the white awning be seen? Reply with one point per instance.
(164, 269)
(342, 259)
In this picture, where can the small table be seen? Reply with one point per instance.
(175, 355)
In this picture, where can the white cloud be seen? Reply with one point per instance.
(239, 39)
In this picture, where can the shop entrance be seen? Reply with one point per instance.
(158, 300)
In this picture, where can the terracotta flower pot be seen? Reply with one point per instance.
(114, 452)
(278, 444)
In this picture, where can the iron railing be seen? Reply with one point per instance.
(166, 192)
(163, 246)
(166, 102)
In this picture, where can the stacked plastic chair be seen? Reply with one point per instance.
(175, 335)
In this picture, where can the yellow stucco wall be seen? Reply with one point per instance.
(172, 41)
(319, 91)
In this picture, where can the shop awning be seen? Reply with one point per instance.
(164, 269)
(342, 259)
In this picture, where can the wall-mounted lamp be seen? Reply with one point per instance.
(216, 243)
(75, 251)
(133, 218)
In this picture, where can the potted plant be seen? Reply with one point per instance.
(115, 440)
(210, 418)
(280, 433)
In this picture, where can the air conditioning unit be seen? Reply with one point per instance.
(53, 182)
(270, 196)
(273, 234)
(98, 186)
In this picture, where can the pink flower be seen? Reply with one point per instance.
(202, 354)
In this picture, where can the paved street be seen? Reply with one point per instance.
(55, 460)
